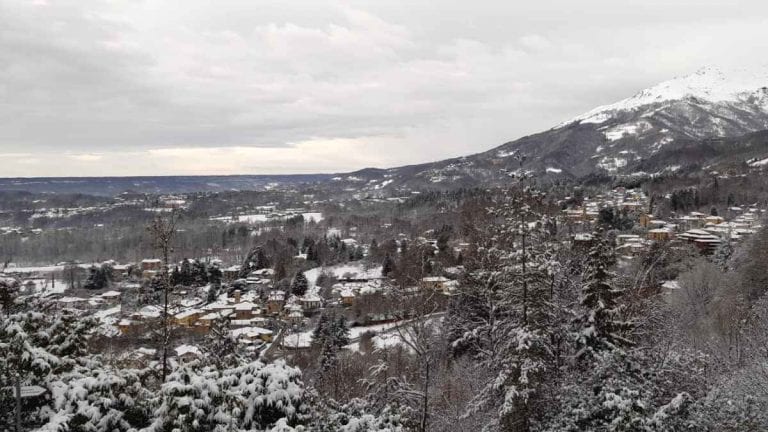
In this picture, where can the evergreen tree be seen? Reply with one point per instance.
(220, 347)
(299, 285)
(255, 260)
(9, 289)
(199, 273)
(388, 266)
(599, 326)
(509, 324)
(214, 276)
(98, 277)
(185, 273)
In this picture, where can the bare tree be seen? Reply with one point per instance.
(162, 230)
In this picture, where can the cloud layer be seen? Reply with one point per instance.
(126, 87)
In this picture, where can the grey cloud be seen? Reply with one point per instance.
(98, 77)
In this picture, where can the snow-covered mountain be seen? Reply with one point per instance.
(710, 102)
(619, 138)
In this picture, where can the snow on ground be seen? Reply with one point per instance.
(554, 170)
(108, 319)
(383, 184)
(618, 132)
(259, 218)
(298, 340)
(387, 334)
(43, 269)
(355, 332)
(357, 270)
(759, 162)
(611, 163)
(708, 84)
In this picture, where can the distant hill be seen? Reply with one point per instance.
(109, 186)
(709, 117)
(676, 123)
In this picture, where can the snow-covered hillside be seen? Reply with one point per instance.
(617, 138)
(708, 85)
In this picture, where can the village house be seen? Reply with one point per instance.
(347, 297)
(111, 296)
(294, 314)
(187, 353)
(436, 283)
(188, 318)
(205, 322)
(705, 241)
(660, 234)
(246, 310)
(150, 267)
(275, 302)
(231, 273)
(252, 335)
(310, 302)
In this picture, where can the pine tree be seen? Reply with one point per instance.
(98, 277)
(255, 260)
(299, 285)
(220, 347)
(185, 273)
(388, 266)
(599, 326)
(199, 273)
(9, 289)
(509, 325)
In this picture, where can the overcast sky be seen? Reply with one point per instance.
(259, 87)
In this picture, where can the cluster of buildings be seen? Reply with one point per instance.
(706, 232)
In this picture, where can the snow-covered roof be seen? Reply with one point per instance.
(188, 349)
(311, 298)
(435, 279)
(250, 332)
(243, 306)
(187, 313)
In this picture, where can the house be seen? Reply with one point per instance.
(121, 271)
(187, 318)
(150, 267)
(582, 241)
(714, 220)
(140, 357)
(246, 310)
(275, 302)
(111, 296)
(310, 302)
(124, 325)
(451, 287)
(347, 297)
(436, 283)
(187, 353)
(252, 335)
(705, 241)
(207, 320)
(152, 264)
(293, 313)
(229, 274)
(660, 234)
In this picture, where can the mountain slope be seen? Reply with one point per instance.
(619, 138)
